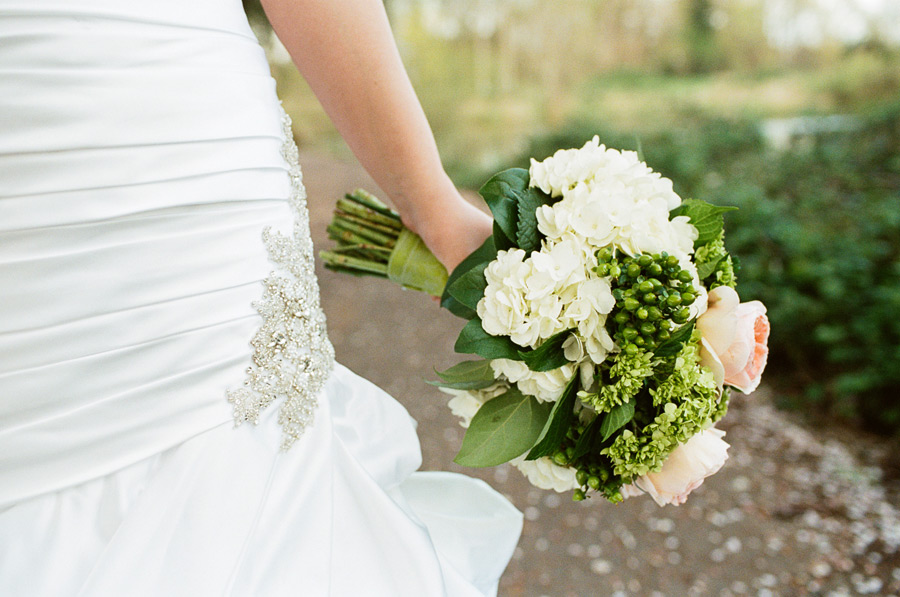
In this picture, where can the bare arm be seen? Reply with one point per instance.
(346, 52)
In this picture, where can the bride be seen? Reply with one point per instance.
(172, 421)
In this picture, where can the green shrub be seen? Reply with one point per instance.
(818, 237)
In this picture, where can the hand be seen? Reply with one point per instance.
(451, 227)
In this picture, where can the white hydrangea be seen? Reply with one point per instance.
(465, 403)
(546, 474)
(546, 386)
(610, 197)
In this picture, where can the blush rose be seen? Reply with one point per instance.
(735, 335)
(684, 470)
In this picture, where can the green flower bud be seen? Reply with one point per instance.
(631, 304)
(673, 300)
(642, 313)
(663, 335)
(570, 453)
(681, 315)
(655, 269)
(648, 328)
(640, 341)
(560, 459)
(655, 314)
(645, 286)
(672, 261)
(615, 270)
(622, 317)
(645, 260)
(633, 271)
(688, 298)
(581, 477)
(602, 269)
(656, 283)
(631, 349)
(594, 482)
(630, 333)
(578, 495)
(649, 298)
(684, 275)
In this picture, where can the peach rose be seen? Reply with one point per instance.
(684, 470)
(734, 339)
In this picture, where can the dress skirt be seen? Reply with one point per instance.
(156, 289)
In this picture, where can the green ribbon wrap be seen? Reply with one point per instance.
(413, 266)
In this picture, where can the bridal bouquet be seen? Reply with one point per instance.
(604, 314)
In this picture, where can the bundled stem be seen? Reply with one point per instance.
(372, 241)
(365, 230)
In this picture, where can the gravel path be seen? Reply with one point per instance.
(795, 511)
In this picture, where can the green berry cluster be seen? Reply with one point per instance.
(594, 472)
(652, 294)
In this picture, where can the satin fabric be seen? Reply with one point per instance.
(140, 159)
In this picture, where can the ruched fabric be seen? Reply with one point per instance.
(140, 160)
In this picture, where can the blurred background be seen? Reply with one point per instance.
(788, 109)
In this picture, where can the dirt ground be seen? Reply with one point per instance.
(795, 511)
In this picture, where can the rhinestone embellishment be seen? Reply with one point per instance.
(292, 356)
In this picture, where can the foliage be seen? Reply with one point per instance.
(818, 236)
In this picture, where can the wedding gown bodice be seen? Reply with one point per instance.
(142, 155)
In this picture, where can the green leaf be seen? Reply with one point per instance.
(501, 240)
(502, 429)
(586, 441)
(673, 345)
(501, 193)
(616, 419)
(706, 218)
(558, 424)
(474, 340)
(468, 375)
(486, 253)
(549, 355)
(708, 268)
(527, 235)
(469, 288)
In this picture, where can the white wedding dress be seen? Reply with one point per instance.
(142, 154)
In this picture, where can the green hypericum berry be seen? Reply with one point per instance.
(560, 459)
(581, 477)
(645, 286)
(615, 270)
(665, 324)
(656, 283)
(631, 349)
(645, 260)
(593, 482)
(655, 269)
(673, 300)
(687, 297)
(631, 304)
(570, 453)
(630, 333)
(649, 298)
(648, 328)
(684, 275)
(602, 269)
(663, 335)
(605, 254)
(578, 495)
(642, 313)
(622, 317)
(681, 315)
(672, 261)
(655, 314)
(604, 475)
(640, 341)
(633, 271)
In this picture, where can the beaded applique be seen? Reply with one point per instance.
(292, 356)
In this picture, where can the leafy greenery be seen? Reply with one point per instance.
(468, 375)
(502, 429)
